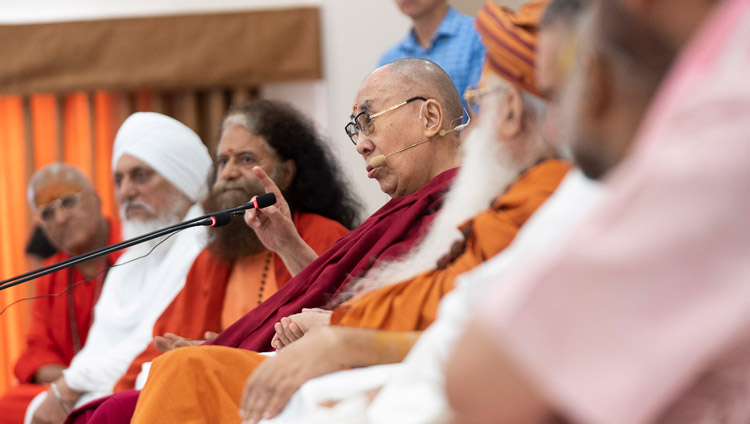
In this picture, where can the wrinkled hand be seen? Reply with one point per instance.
(171, 341)
(272, 224)
(293, 327)
(49, 412)
(274, 382)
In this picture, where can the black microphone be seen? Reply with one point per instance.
(260, 202)
(217, 219)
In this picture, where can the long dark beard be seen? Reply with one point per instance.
(235, 240)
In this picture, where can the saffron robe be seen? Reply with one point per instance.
(51, 338)
(405, 306)
(198, 307)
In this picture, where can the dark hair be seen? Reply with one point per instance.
(562, 10)
(318, 186)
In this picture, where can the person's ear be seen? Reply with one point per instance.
(432, 117)
(510, 114)
(287, 171)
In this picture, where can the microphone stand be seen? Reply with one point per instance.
(217, 219)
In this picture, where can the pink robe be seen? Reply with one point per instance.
(644, 315)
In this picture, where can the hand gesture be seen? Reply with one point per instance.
(293, 327)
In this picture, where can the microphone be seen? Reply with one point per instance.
(260, 202)
(380, 160)
(217, 219)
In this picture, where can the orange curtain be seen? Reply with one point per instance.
(14, 227)
(77, 128)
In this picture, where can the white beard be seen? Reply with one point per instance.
(486, 171)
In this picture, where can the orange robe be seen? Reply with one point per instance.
(181, 381)
(198, 306)
(412, 305)
(52, 338)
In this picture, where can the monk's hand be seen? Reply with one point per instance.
(273, 383)
(275, 228)
(273, 224)
(293, 327)
(171, 341)
(51, 410)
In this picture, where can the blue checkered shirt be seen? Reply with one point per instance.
(456, 47)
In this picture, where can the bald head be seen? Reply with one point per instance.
(428, 79)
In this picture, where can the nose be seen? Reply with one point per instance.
(61, 215)
(229, 171)
(364, 145)
(126, 190)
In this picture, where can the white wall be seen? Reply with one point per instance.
(355, 32)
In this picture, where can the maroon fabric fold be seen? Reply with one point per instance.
(387, 234)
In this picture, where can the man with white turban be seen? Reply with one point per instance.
(160, 169)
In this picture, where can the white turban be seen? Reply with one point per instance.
(169, 147)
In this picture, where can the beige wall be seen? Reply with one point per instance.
(470, 7)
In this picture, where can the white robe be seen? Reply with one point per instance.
(134, 296)
(412, 391)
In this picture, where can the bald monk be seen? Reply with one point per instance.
(405, 306)
(235, 273)
(416, 178)
(68, 210)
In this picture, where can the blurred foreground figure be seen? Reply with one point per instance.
(642, 316)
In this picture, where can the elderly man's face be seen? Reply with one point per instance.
(69, 214)
(405, 172)
(238, 152)
(143, 194)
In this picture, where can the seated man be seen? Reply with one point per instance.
(68, 210)
(509, 149)
(654, 327)
(160, 168)
(417, 179)
(233, 273)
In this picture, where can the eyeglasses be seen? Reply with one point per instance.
(473, 96)
(68, 201)
(363, 121)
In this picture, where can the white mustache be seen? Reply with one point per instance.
(137, 203)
